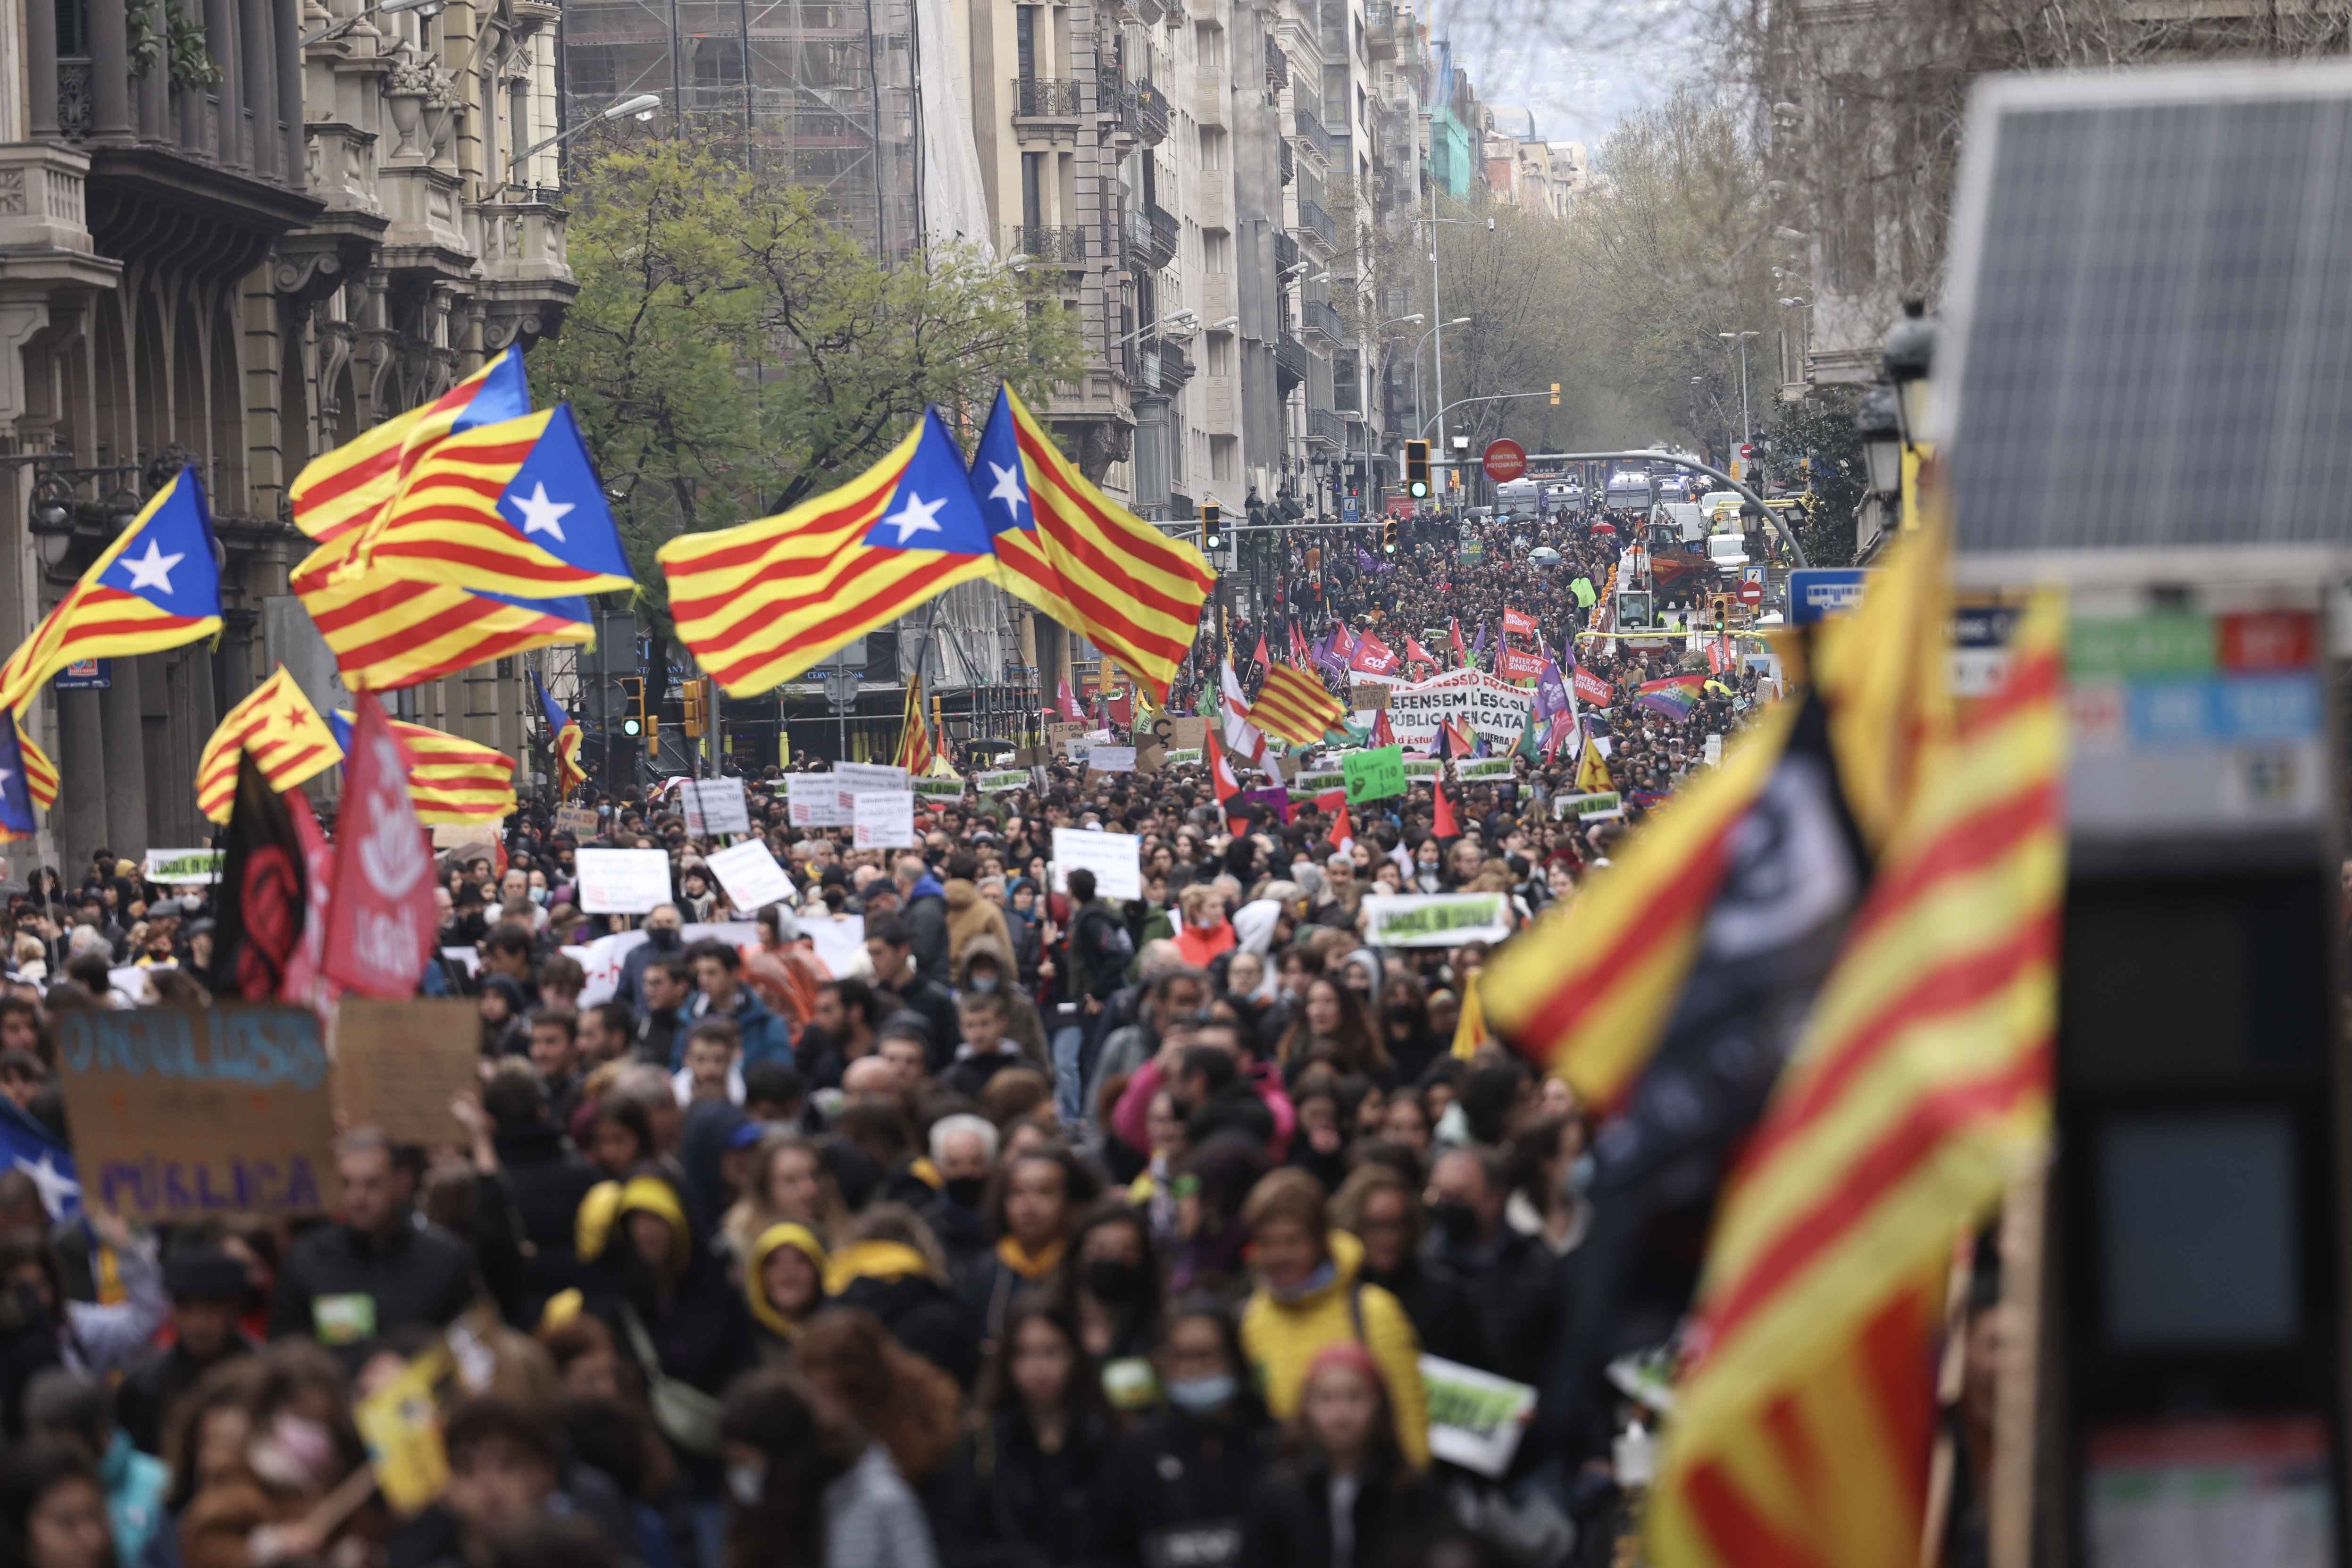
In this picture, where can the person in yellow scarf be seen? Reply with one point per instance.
(1034, 1211)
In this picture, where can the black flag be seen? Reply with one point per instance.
(263, 894)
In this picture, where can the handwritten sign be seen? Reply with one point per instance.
(1111, 759)
(1374, 775)
(948, 791)
(623, 881)
(1185, 732)
(884, 819)
(1004, 781)
(399, 1063)
(181, 867)
(1483, 768)
(1587, 807)
(749, 873)
(576, 821)
(1366, 697)
(1115, 859)
(1059, 730)
(182, 1112)
(863, 778)
(713, 805)
(1434, 919)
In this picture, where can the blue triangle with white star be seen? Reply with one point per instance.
(16, 799)
(556, 501)
(167, 557)
(999, 478)
(932, 505)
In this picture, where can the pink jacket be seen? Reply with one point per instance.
(1131, 1119)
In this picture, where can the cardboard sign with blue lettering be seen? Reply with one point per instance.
(180, 1112)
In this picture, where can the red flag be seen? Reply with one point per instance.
(1382, 734)
(1591, 688)
(1514, 621)
(1342, 834)
(380, 920)
(1262, 662)
(1416, 653)
(304, 986)
(1372, 656)
(1444, 826)
(1455, 625)
(1067, 700)
(1221, 772)
(1342, 643)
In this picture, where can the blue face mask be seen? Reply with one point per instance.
(1200, 1396)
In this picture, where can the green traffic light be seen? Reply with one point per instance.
(631, 726)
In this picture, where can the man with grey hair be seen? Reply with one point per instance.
(664, 930)
(963, 1148)
(380, 1267)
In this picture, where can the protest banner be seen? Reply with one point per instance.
(1319, 781)
(947, 790)
(1492, 707)
(1587, 807)
(714, 806)
(179, 1112)
(1115, 859)
(1111, 759)
(1483, 768)
(884, 819)
(1186, 733)
(750, 876)
(1434, 919)
(399, 1063)
(860, 778)
(1475, 1419)
(182, 866)
(817, 800)
(623, 881)
(1057, 731)
(1001, 782)
(577, 821)
(1374, 775)
(840, 941)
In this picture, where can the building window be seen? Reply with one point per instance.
(1221, 457)
(1216, 251)
(1221, 353)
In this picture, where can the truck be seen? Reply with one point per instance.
(1630, 490)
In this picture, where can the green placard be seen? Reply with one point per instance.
(1190, 754)
(1428, 769)
(1483, 768)
(999, 782)
(1375, 775)
(938, 789)
(2167, 642)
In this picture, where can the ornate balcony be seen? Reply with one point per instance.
(1038, 97)
(1065, 243)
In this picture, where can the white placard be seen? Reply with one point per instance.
(623, 881)
(184, 867)
(840, 942)
(1434, 919)
(1111, 759)
(1475, 1419)
(858, 778)
(750, 874)
(816, 800)
(1115, 859)
(601, 959)
(714, 806)
(884, 819)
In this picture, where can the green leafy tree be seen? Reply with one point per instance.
(734, 351)
(1814, 445)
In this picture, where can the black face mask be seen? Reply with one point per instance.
(1401, 1013)
(1458, 1221)
(964, 1191)
(664, 938)
(1113, 1281)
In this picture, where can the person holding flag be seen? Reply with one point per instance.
(563, 739)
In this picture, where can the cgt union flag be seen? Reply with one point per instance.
(380, 921)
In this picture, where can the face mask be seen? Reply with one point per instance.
(746, 1483)
(1113, 1281)
(295, 1453)
(1203, 1394)
(964, 1191)
(663, 939)
(1458, 1221)
(983, 983)
(1401, 1013)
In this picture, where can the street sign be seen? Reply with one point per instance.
(1817, 593)
(1350, 510)
(1506, 460)
(1751, 590)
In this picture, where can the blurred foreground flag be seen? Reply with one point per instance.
(1085, 560)
(40, 773)
(1921, 1083)
(287, 739)
(340, 491)
(761, 602)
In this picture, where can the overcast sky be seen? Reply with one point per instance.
(1538, 54)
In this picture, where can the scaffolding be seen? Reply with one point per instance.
(822, 90)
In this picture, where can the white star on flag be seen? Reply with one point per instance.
(153, 570)
(540, 515)
(54, 1185)
(1009, 489)
(917, 516)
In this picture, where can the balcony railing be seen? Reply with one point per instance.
(1051, 242)
(1322, 316)
(1277, 65)
(1289, 359)
(1151, 236)
(1285, 252)
(1038, 97)
(73, 99)
(1314, 218)
(1322, 425)
(1175, 368)
(1308, 126)
(1289, 161)
(1151, 114)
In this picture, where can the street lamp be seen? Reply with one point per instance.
(1423, 342)
(642, 105)
(1746, 429)
(1882, 440)
(388, 8)
(1908, 357)
(51, 519)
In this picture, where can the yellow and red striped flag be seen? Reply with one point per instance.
(915, 752)
(1294, 706)
(345, 490)
(157, 586)
(40, 773)
(1085, 560)
(450, 778)
(759, 603)
(387, 632)
(1921, 1085)
(289, 740)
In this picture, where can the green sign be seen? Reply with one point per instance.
(1375, 775)
(1318, 782)
(1434, 919)
(1189, 754)
(938, 789)
(1587, 807)
(1427, 768)
(2167, 642)
(999, 782)
(1483, 768)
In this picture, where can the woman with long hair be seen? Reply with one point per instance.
(790, 1184)
(860, 1377)
(1112, 1280)
(52, 1510)
(1031, 1211)
(1016, 1492)
(1349, 1495)
(1405, 1027)
(806, 1492)
(1332, 1026)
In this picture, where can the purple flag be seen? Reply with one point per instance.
(1551, 693)
(1275, 799)
(1364, 562)
(1479, 648)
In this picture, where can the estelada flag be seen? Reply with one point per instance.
(380, 922)
(1515, 622)
(389, 632)
(283, 733)
(342, 490)
(40, 773)
(17, 820)
(563, 738)
(1133, 591)
(263, 895)
(156, 586)
(759, 603)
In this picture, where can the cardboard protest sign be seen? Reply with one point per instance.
(1374, 775)
(1186, 733)
(623, 881)
(1434, 919)
(1058, 730)
(576, 821)
(748, 874)
(817, 800)
(884, 819)
(180, 1112)
(398, 1064)
(1115, 859)
(1475, 1419)
(1365, 698)
(714, 806)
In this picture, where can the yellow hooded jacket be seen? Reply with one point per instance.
(1281, 1337)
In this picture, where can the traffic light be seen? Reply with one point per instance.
(1722, 603)
(1212, 532)
(1388, 537)
(1416, 470)
(633, 716)
(693, 718)
(1555, 395)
